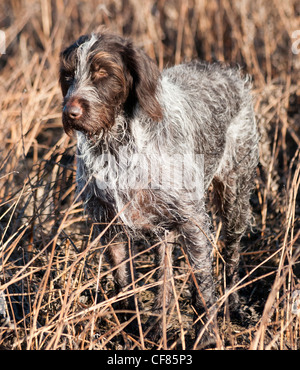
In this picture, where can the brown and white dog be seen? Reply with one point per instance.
(149, 146)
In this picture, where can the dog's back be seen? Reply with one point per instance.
(201, 104)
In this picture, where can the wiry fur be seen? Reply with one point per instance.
(135, 121)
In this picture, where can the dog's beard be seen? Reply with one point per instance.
(94, 124)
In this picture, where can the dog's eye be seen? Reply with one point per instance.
(99, 73)
(69, 78)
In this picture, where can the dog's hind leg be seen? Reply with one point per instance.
(234, 190)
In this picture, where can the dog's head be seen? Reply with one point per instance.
(102, 74)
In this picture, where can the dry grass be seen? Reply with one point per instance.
(57, 286)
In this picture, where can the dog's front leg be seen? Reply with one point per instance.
(163, 296)
(199, 250)
(117, 253)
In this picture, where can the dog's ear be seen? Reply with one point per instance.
(144, 74)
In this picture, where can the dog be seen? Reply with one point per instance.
(149, 145)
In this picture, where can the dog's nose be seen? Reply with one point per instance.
(73, 110)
